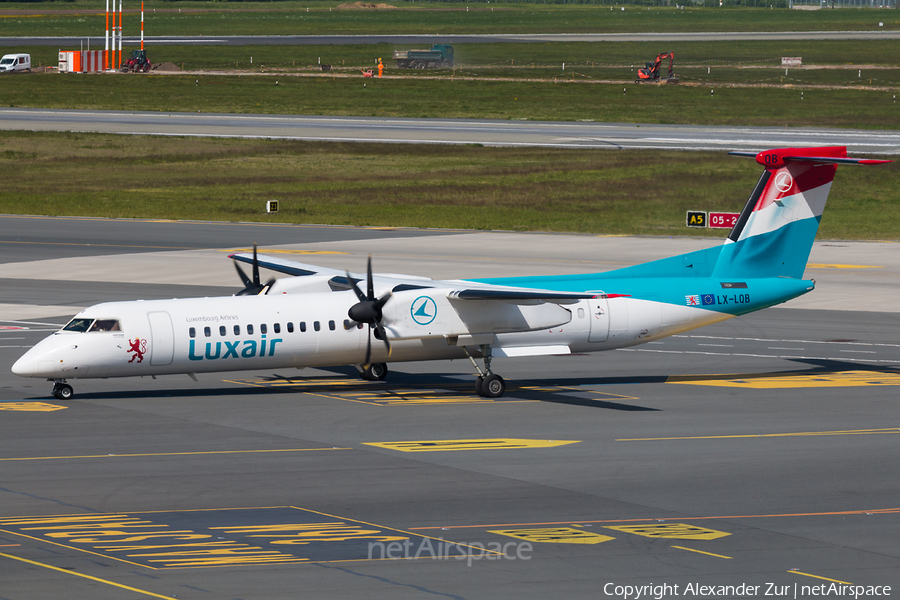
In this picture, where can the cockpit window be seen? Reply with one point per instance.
(79, 325)
(105, 325)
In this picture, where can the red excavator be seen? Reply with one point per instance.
(651, 72)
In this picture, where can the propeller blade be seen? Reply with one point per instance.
(244, 279)
(355, 288)
(382, 335)
(379, 303)
(255, 266)
(268, 285)
(368, 347)
(252, 287)
(371, 287)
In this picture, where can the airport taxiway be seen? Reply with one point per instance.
(757, 451)
(553, 134)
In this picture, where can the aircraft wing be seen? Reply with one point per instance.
(288, 267)
(458, 290)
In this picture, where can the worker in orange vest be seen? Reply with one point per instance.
(380, 67)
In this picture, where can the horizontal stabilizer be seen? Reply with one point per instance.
(778, 158)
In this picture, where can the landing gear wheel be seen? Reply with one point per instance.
(63, 391)
(492, 386)
(375, 372)
(479, 385)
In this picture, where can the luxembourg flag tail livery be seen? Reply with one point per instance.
(775, 232)
(320, 317)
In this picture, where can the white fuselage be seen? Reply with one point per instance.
(236, 333)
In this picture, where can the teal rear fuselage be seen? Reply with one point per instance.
(693, 279)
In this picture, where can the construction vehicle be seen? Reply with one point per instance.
(651, 72)
(137, 63)
(440, 56)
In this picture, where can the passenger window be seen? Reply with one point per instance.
(105, 325)
(276, 327)
(580, 313)
(237, 330)
(263, 329)
(316, 325)
(291, 327)
(207, 332)
(78, 325)
(331, 325)
(222, 330)
(192, 332)
(249, 329)
(302, 326)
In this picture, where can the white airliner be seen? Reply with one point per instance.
(320, 317)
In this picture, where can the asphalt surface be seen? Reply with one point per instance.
(305, 40)
(759, 451)
(449, 131)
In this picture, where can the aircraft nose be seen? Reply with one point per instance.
(24, 367)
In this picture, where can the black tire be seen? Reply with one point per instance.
(375, 372)
(63, 391)
(493, 386)
(479, 383)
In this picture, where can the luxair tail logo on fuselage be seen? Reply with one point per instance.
(423, 310)
(248, 349)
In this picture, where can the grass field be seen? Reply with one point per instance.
(603, 192)
(411, 97)
(618, 55)
(292, 18)
(589, 191)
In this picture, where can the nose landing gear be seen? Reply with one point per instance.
(62, 390)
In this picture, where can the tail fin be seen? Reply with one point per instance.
(774, 233)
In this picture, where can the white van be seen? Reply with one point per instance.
(15, 62)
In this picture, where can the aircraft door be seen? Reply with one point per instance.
(162, 338)
(599, 314)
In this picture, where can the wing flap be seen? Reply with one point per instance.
(519, 296)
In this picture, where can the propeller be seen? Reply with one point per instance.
(368, 310)
(252, 287)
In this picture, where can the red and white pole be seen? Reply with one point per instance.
(142, 24)
(106, 49)
(112, 57)
(120, 33)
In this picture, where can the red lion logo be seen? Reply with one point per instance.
(138, 346)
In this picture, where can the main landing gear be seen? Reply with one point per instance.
(62, 390)
(374, 372)
(488, 384)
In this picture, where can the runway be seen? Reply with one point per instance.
(757, 452)
(449, 131)
(523, 38)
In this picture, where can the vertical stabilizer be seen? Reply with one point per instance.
(774, 233)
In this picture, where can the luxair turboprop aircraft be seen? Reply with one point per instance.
(320, 317)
